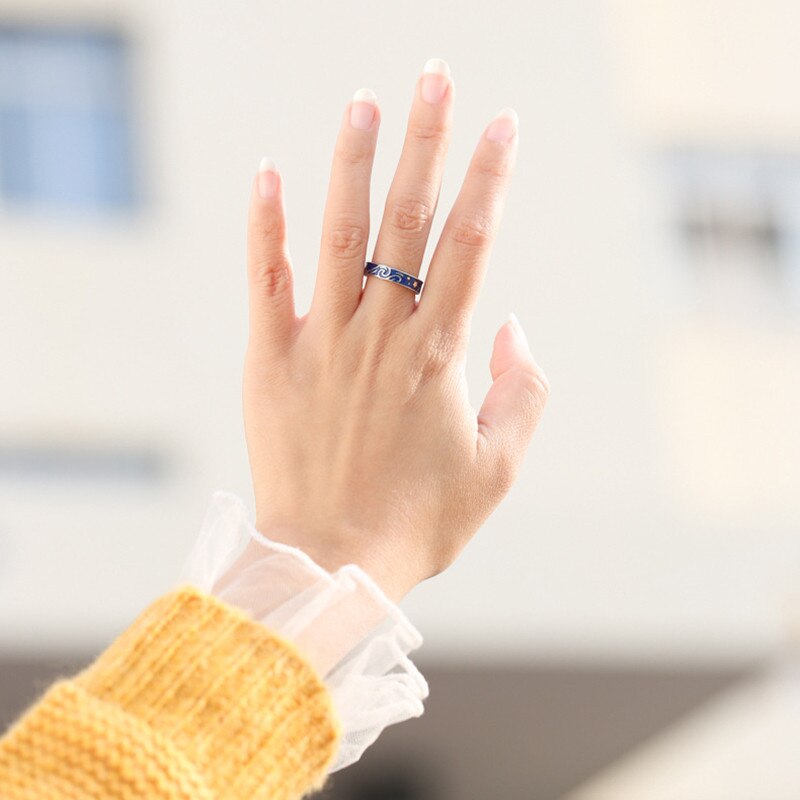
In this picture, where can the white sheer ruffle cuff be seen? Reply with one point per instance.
(348, 630)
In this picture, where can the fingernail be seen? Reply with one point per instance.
(517, 328)
(503, 126)
(435, 77)
(267, 178)
(519, 334)
(362, 109)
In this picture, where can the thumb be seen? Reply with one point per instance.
(513, 405)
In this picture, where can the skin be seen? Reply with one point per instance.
(362, 442)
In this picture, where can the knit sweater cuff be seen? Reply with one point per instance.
(240, 702)
(355, 638)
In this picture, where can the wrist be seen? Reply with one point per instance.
(332, 555)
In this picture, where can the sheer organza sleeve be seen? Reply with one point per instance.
(349, 631)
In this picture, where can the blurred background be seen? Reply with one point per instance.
(626, 624)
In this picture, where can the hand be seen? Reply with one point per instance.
(362, 443)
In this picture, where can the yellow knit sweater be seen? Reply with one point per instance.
(194, 700)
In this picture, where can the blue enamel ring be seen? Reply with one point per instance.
(387, 273)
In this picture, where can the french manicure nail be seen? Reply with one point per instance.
(267, 177)
(519, 332)
(362, 109)
(435, 77)
(503, 126)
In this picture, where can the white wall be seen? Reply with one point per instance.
(135, 330)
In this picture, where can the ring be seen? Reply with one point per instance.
(387, 273)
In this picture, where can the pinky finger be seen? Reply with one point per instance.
(269, 269)
(458, 263)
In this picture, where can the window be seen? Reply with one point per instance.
(738, 215)
(65, 119)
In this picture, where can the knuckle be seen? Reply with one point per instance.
(270, 228)
(426, 132)
(409, 215)
(346, 239)
(534, 391)
(331, 353)
(473, 232)
(271, 278)
(351, 155)
(497, 168)
(440, 350)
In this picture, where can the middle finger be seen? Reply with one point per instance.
(414, 192)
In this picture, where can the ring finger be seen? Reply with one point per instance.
(414, 192)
